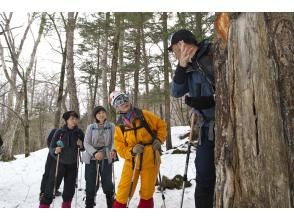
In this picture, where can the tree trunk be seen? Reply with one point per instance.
(121, 57)
(25, 84)
(104, 61)
(145, 58)
(114, 61)
(254, 108)
(71, 82)
(198, 28)
(137, 61)
(166, 81)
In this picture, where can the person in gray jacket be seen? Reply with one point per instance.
(98, 157)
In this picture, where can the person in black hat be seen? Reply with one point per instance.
(99, 157)
(65, 145)
(194, 75)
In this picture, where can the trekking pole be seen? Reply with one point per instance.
(187, 159)
(132, 182)
(81, 177)
(113, 177)
(161, 190)
(78, 164)
(97, 179)
(55, 179)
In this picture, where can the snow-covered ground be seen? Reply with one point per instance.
(20, 180)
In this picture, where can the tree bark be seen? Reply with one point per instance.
(137, 57)
(71, 82)
(104, 61)
(166, 81)
(121, 57)
(254, 111)
(114, 61)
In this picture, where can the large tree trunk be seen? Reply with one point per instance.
(71, 82)
(254, 118)
(166, 81)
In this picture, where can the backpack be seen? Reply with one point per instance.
(143, 124)
(50, 136)
(204, 61)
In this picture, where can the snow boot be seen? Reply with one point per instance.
(42, 205)
(146, 203)
(66, 204)
(90, 202)
(117, 204)
(41, 196)
(109, 200)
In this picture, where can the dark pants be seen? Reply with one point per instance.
(205, 172)
(105, 171)
(70, 172)
(49, 161)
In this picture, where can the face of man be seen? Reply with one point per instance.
(72, 122)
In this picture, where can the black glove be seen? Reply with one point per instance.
(202, 102)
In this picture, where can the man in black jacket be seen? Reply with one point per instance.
(194, 75)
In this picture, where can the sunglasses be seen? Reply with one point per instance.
(121, 100)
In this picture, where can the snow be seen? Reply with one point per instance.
(20, 179)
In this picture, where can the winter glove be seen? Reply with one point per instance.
(99, 155)
(113, 154)
(138, 149)
(58, 150)
(80, 144)
(202, 102)
(156, 145)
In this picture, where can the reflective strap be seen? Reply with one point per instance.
(200, 125)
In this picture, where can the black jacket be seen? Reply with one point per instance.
(69, 137)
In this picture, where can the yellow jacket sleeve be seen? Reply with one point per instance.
(120, 145)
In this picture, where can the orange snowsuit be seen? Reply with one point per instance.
(124, 142)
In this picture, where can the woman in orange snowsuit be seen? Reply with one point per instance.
(138, 137)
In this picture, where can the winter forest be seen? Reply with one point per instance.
(55, 62)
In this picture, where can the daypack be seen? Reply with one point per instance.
(50, 136)
(204, 61)
(143, 124)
